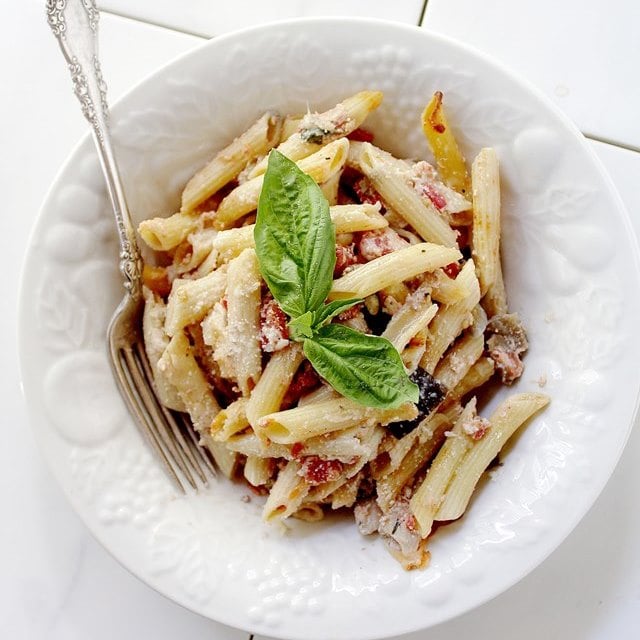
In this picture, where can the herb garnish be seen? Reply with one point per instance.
(295, 244)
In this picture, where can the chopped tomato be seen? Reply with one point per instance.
(315, 470)
(274, 334)
(452, 270)
(304, 381)
(361, 135)
(345, 257)
(439, 201)
(365, 191)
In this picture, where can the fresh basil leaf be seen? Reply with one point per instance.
(363, 368)
(301, 327)
(328, 311)
(295, 238)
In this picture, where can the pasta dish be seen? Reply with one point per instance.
(328, 315)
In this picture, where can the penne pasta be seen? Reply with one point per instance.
(316, 130)
(276, 378)
(191, 300)
(257, 471)
(428, 497)
(504, 422)
(402, 198)
(155, 342)
(451, 320)
(412, 317)
(230, 421)
(237, 348)
(318, 418)
(485, 239)
(439, 134)
(348, 218)
(287, 494)
(391, 269)
(263, 135)
(321, 166)
(163, 234)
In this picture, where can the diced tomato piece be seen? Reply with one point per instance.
(374, 244)
(345, 257)
(452, 270)
(365, 191)
(296, 449)
(315, 470)
(463, 237)
(439, 201)
(274, 333)
(304, 381)
(361, 135)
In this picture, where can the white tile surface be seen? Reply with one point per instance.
(582, 53)
(209, 18)
(56, 582)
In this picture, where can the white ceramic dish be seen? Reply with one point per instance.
(571, 271)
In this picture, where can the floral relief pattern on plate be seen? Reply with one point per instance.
(211, 552)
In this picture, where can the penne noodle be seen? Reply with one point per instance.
(451, 320)
(257, 471)
(478, 374)
(459, 359)
(412, 317)
(495, 300)
(318, 418)
(320, 166)
(418, 457)
(230, 421)
(256, 141)
(268, 394)
(290, 126)
(485, 239)
(330, 189)
(179, 365)
(391, 269)
(427, 499)
(237, 349)
(164, 234)
(155, 342)
(191, 300)
(317, 130)
(402, 198)
(347, 218)
(505, 420)
(287, 493)
(449, 159)
(309, 512)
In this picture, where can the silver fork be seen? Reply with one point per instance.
(75, 25)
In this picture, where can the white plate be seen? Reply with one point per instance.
(571, 271)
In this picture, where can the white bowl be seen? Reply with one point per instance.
(571, 271)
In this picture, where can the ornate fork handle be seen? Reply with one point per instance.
(75, 25)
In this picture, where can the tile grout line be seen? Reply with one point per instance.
(612, 143)
(159, 25)
(422, 13)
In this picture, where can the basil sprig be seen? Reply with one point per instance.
(295, 244)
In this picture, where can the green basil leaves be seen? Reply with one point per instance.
(295, 245)
(295, 237)
(366, 369)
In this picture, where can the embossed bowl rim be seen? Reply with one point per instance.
(395, 30)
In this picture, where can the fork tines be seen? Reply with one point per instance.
(181, 455)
